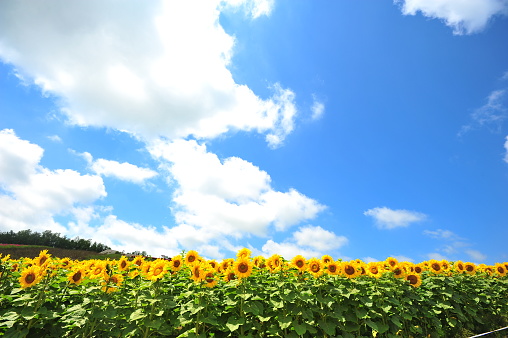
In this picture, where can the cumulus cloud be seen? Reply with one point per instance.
(123, 171)
(136, 70)
(31, 194)
(308, 241)
(389, 219)
(231, 196)
(464, 17)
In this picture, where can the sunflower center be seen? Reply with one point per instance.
(191, 259)
(114, 279)
(412, 279)
(418, 269)
(243, 268)
(77, 276)
(461, 267)
(176, 263)
(436, 267)
(196, 272)
(397, 271)
(469, 268)
(374, 270)
(97, 271)
(349, 270)
(30, 278)
(157, 271)
(209, 277)
(332, 268)
(299, 264)
(42, 260)
(314, 267)
(500, 270)
(123, 264)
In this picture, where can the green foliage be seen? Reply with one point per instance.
(51, 239)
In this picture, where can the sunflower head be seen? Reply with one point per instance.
(315, 267)
(123, 264)
(435, 266)
(326, 259)
(192, 257)
(398, 271)
(259, 261)
(333, 268)
(158, 269)
(210, 280)
(244, 253)
(197, 272)
(176, 263)
(500, 270)
(30, 276)
(77, 275)
(374, 269)
(391, 262)
(138, 260)
(470, 268)
(299, 262)
(414, 280)
(349, 269)
(43, 259)
(242, 268)
(274, 263)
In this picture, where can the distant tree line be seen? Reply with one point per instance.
(51, 239)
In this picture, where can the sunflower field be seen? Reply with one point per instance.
(189, 296)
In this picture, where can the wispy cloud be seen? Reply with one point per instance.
(317, 108)
(464, 17)
(506, 149)
(476, 255)
(490, 115)
(386, 218)
(55, 138)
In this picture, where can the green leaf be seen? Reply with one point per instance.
(10, 316)
(138, 314)
(234, 323)
(372, 325)
(300, 328)
(285, 321)
(329, 328)
(352, 326)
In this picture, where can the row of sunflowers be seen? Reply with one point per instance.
(189, 296)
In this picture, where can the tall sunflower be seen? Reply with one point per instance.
(242, 267)
(123, 264)
(414, 279)
(176, 263)
(419, 268)
(274, 263)
(76, 275)
(259, 261)
(470, 268)
(326, 259)
(229, 275)
(315, 267)
(391, 262)
(299, 262)
(333, 268)
(435, 266)
(399, 271)
(138, 260)
(210, 280)
(197, 272)
(500, 269)
(243, 253)
(99, 270)
(112, 284)
(158, 269)
(226, 264)
(374, 269)
(349, 269)
(43, 259)
(459, 266)
(30, 276)
(192, 257)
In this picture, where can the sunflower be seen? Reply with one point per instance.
(242, 267)
(225, 264)
(419, 268)
(391, 262)
(76, 275)
(138, 260)
(259, 261)
(299, 263)
(445, 265)
(326, 259)
(210, 280)
(349, 269)
(123, 264)
(65, 262)
(500, 270)
(145, 268)
(176, 263)
(229, 275)
(111, 284)
(459, 266)
(470, 268)
(197, 272)
(30, 276)
(315, 267)
(99, 270)
(374, 269)
(399, 271)
(43, 259)
(333, 268)
(274, 263)
(414, 279)
(244, 253)
(158, 269)
(191, 257)
(435, 266)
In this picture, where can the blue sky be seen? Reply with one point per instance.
(356, 129)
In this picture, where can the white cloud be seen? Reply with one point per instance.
(389, 219)
(476, 255)
(123, 171)
(463, 16)
(232, 196)
(31, 194)
(308, 241)
(437, 256)
(506, 150)
(167, 74)
(318, 108)
(401, 258)
(441, 234)
(318, 238)
(55, 138)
